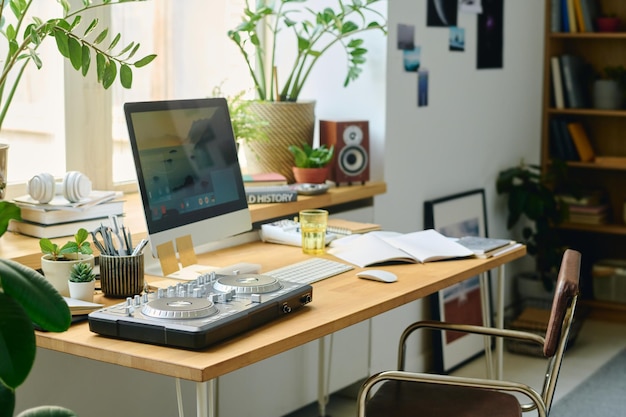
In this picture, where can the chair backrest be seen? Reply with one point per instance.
(566, 290)
(561, 317)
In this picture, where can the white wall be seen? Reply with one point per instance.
(477, 123)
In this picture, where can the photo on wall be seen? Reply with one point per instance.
(457, 39)
(411, 59)
(406, 37)
(442, 13)
(490, 35)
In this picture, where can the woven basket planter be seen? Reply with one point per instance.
(288, 124)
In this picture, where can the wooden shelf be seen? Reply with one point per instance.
(605, 310)
(605, 131)
(610, 229)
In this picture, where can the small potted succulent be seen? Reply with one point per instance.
(57, 261)
(311, 165)
(82, 281)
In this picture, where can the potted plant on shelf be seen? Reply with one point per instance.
(57, 261)
(313, 32)
(531, 197)
(83, 43)
(311, 165)
(607, 22)
(609, 88)
(26, 297)
(82, 281)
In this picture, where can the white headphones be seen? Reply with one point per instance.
(74, 187)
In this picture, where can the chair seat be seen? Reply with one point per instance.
(416, 399)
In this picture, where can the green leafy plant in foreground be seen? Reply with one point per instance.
(26, 297)
(76, 40)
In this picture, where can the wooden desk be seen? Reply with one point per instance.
(338, 302)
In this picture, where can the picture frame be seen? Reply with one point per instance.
(458, 215)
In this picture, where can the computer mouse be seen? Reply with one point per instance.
(378, 275)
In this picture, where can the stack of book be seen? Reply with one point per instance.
(57, 218)
(264, 179)
(573, 15)
(589, 209)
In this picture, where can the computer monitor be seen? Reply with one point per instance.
(187, 168)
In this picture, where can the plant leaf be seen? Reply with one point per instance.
(17, 342)
(42, 303)
(8, 211)
(62, 42)
(76, 53)
(126, 76)
(144, 61)
(86, 60)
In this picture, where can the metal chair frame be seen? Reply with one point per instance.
(540, 401)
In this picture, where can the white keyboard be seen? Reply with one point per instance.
(309, 271)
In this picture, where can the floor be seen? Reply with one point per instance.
(597, 343)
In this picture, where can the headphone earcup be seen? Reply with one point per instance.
(42, 187)
(76, 186)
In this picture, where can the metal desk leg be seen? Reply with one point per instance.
(322, 396)
(500, 322)
(486, 312)
(206, 398)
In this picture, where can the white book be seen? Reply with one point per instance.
(47, 217)
(387, 247)
(557, 83)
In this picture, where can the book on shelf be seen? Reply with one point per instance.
(578, 13)
(587, 209)
(564, 147)
(51, 231)
(271, 194)
(348, 227)
(557, 82)
(34, 214)
(564, 16)
(376, 248)
(573, 67)
(264, 179)
(600, 218)
(581, 141)
(555, 15)
(588, 198)
(589, 10)
(571, 17)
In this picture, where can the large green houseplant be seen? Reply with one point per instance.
(532, 201)
(267, 32)
(26, 297)
(314, 32)
(82, 42)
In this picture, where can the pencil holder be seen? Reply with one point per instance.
(121, 276)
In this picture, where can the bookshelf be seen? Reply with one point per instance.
(607, 133)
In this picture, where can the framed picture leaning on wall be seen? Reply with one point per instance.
(458, 215)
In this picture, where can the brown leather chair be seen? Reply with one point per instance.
(404, 394)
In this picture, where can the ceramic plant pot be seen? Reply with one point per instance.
(607, 94)
(82, 290)
(288, 124)
(58, 272)
(311, 175)
(607, 24)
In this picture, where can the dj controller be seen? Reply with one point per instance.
(199, 313)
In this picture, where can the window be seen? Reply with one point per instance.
(89, 133)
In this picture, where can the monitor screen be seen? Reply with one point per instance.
(187, 168)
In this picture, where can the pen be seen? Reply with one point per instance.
(140, 246)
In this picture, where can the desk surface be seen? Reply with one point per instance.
(338, 302)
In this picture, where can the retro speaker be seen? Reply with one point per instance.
(351, 141)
